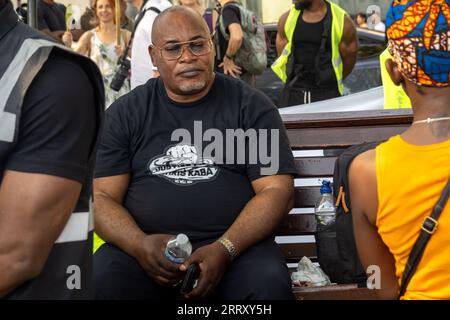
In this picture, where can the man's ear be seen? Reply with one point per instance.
(152, 52)
(394, 72)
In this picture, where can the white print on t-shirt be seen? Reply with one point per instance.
(182, 166)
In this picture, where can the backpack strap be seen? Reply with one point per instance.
(429, 226)
(138, 20)
(323, 44)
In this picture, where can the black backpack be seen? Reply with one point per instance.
(336, 247)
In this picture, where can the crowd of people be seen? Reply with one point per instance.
(142, 165)
(324, 43)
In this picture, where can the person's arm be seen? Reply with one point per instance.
(232, 23)
(364, 203)
(348, 48)
(28, 229)
(114, 224)
(236, 38)
(257, 221)
(43, 174)
(274, 198)
(281, 39)
(55, 35)
(83, 46)
(235, 43)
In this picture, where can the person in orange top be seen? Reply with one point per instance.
(394, 187)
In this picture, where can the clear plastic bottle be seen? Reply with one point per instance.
(325, 210)
(178, 249)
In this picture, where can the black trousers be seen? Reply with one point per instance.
(260, 273)
(293, 96)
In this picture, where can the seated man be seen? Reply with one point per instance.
(395, 187)
(150, 187)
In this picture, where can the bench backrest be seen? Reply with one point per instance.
(316, 140)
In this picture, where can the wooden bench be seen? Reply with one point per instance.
(316, 140)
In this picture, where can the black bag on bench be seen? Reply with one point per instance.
(336, 247)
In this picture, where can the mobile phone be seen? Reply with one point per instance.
(190, 278)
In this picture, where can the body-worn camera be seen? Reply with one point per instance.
(121, 73)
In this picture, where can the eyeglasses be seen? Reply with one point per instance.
(174, 51)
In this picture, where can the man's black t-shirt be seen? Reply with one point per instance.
(230, 14)
(169, 193)
(51, 16)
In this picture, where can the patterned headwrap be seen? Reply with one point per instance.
(419, 40)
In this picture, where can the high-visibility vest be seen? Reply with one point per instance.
(394, 96)
(24, 52)
(283, 65)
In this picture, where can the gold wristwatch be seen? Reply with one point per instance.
(230, 247)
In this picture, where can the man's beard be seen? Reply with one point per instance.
(303, 5)
(192, 88)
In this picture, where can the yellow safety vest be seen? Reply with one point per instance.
(394, 96)
(337, 29)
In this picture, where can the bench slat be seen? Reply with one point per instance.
(297, 224)
(315, 166)
(295, 251)
(334, 292)
(348, 118)
(323, 138)
(306, 196)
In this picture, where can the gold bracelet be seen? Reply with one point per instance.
(230, 247)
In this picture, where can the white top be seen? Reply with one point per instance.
(141, 63)
(380, 26)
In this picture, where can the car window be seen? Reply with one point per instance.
(353, 7)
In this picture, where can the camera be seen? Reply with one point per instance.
(121, 73)
(22, 12)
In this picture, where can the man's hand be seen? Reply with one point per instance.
(151, 258)
(230, 68)
(213, 260)
(67, 39)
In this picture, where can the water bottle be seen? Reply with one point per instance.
(325, 210)
(178, 249)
